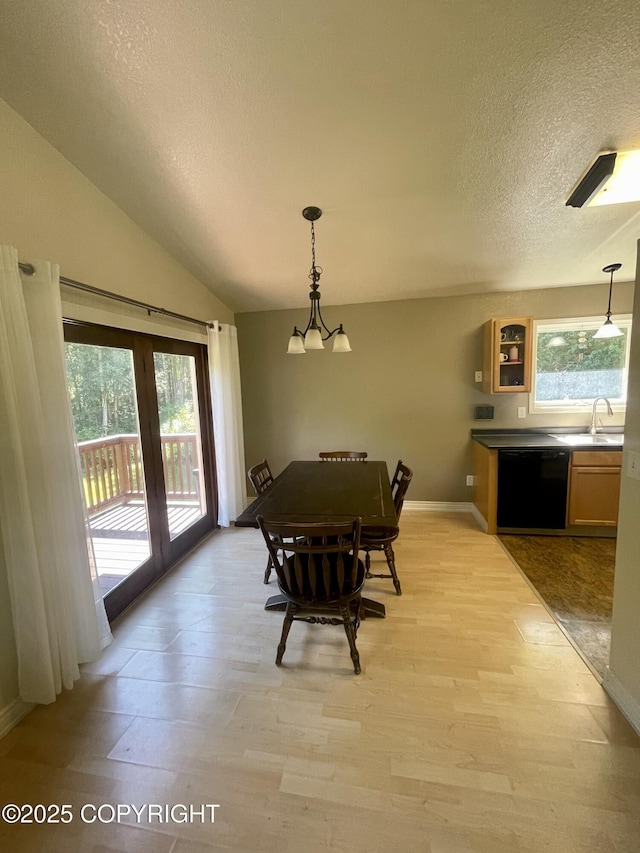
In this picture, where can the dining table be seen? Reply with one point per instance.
(326, 492)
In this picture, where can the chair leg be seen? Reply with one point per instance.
(367, 564)
(358, 614)
(391, 562)
(267, 571)
(350, 631)
(286, 626)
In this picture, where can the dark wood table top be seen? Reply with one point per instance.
(326, 491)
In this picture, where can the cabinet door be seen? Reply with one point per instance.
(593, 495)
(507, 355)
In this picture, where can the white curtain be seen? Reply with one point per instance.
(58, 615)
(226, 399)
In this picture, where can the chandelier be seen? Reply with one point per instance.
(312, 337)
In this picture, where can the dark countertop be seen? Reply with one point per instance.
(543, 439)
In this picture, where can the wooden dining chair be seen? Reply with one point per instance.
(343, 456)
(320, 575)
(261, 478)
(381, 538)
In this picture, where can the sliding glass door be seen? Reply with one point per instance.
(142, 417)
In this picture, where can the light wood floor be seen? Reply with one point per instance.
(475, 727)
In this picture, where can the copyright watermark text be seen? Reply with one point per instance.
(40, 813)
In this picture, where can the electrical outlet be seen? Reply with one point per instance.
(633, 464)
(469, 479)
(522, 411)
(478, 376)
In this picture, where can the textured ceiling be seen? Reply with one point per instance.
(440, 138)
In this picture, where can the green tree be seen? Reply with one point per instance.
(101, 388)
(175, 384)
(102, 391)
(580, 352)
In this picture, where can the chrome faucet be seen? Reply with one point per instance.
(593, 429)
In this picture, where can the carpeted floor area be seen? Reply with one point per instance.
(574, 576)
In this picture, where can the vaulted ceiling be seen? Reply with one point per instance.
(441, 138)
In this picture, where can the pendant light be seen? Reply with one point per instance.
(609, 329)
(312, 338)
(557, 341)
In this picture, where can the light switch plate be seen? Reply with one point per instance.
(522, 411)
(633, 464)
(478, 376)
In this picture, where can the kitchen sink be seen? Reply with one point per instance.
(581, 439)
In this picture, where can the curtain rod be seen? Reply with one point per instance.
(29, 269)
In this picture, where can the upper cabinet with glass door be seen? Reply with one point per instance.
(507, 355)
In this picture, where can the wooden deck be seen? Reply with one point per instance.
(121, 540)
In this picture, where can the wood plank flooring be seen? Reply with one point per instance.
(475, 726)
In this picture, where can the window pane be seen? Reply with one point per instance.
(581, 368)
(180, 439)
(103, 400)
(573, 368)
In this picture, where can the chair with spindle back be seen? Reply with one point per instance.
(319, 574)
(343, 456)
(261, 478)
(381, 538)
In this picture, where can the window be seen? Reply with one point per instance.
(572, 367)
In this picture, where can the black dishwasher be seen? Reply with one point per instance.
(532, 488)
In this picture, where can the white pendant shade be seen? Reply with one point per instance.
(341, 343)
(608, 330)
(296, 345)
(313, 339)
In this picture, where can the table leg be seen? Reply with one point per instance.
(373, 608)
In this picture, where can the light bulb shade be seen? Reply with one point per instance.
(608, 330)
(557, 341)
(313, 339)
(341, 342)
(296, 344)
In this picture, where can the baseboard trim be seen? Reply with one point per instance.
(438, 506)
(11, 715)
(623, 699)
(479, 517)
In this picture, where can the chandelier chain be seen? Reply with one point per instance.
(314, 272)
(313, 246)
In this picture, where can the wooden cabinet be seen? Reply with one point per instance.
(594, 487)
(485, 486)
(507, 355)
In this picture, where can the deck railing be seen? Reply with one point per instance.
(112, 469)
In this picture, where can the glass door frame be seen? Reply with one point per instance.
(164, 550)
